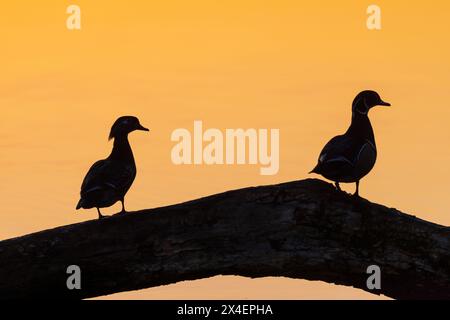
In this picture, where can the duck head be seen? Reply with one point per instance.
(124, 125)
(366, 100)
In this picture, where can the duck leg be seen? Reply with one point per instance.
(356, 194)
(123, 206)
(338, 187)
(99, 214)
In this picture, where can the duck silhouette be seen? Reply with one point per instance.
(108, 180)
(349, 157)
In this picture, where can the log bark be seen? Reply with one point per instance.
(303, 229)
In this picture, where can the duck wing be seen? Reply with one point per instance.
(106, 182)
(108, 173)
(342, 148)
(339, 157)
(94, 176)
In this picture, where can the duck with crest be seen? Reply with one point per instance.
(349, 157)
(108, 180)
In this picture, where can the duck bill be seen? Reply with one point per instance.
(141, 128)
(386, 104)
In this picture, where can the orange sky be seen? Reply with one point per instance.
(251, 64)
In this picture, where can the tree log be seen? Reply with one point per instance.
(303, 229)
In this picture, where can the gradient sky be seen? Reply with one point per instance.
(292, 65)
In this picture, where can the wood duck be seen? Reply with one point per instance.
(349, 157)
(108, 180)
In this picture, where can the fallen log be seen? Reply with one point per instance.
(303, 229)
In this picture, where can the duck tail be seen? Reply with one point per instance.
(80, 204)
(315, 170)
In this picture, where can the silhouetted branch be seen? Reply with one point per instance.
(303, 229)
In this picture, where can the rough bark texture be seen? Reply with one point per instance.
(304, 229)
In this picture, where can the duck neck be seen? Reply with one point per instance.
(361, 127)
(122, 149)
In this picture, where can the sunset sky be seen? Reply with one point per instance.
(291, 65)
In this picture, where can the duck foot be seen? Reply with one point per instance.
(100, 216)
(123, 211)
(338, 187)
